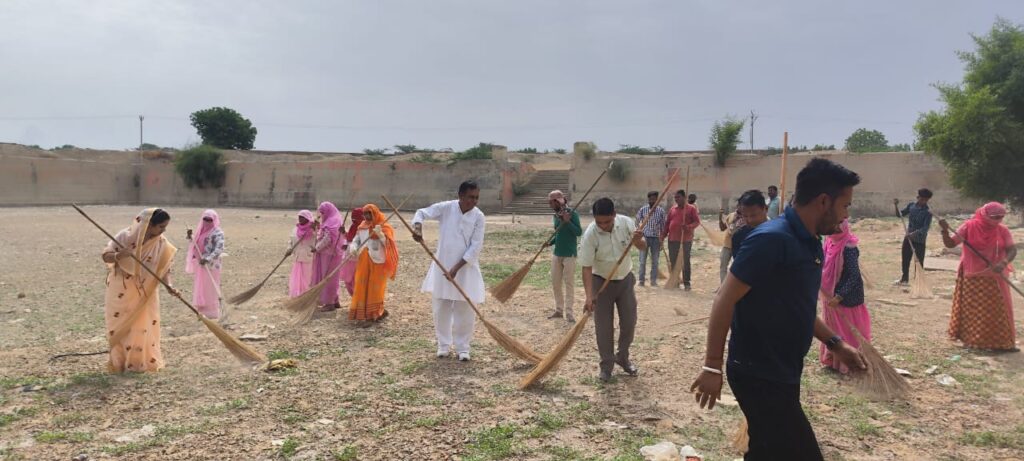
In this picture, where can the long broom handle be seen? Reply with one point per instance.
(643, 223)
(137, 260)
(431, 253)
(987, 262)
(578, 203)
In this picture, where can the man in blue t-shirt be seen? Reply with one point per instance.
(769, 301)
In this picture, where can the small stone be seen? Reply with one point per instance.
(253, 337)
(946, 380)
(257, 216)
(325, 421)
(931, 370)
(903, 372)
(21, 295)
(28, 311)
(81, 457)
(32, 388)
(277, 443)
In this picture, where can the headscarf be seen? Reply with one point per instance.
(834, 245)
(987, 236)
(304, 231)
(331, 225)
(357, 219)
(135, 239)
(203, 230)
(557, 195)
(390, 248)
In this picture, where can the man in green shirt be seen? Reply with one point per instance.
(563, 259)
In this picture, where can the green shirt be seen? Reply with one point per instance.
(565, 239)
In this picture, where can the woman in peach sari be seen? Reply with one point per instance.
(374, 245)
(132, 300)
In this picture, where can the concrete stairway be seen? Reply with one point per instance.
(535, 200)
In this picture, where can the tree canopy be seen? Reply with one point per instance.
(224, 128)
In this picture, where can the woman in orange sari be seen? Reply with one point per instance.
(132, 299)
(374, 245)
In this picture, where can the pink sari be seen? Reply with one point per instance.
(301, 277)
(841, 319)
(206, 277)
(329, 253)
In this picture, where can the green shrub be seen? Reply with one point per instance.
(619, 172)
(201, 166)
(481, 151)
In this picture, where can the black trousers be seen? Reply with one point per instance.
(776, 423)
(908, 253)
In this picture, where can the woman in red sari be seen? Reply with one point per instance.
(982, 315)
(374, 246)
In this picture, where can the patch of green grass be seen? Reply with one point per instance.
(568, 454)
(221, 408)
(502, 389)
(291, 415)
(428, 421)
(403, 394)
(485, 402)
(17, 414)
(414, 345)
(349, 453)
(18, 381)
(412, 367)
(546, 422)
(289, 448)
(497, 442)
(992, 439)
(163, 435)
(99, 380)
(385, 380)
(69, 420)
(539, 275)
(630, 443)
(60, 436)
(555, 385)
(286, 354)
(356, 397)
(976, 384)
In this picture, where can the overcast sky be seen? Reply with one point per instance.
(344, 76)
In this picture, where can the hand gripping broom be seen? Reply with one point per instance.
(507, 342)
(552, 360)
(243, 352)
(504, 290)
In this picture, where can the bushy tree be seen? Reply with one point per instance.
(224, 128)
(865, 140)
(201, 166)
(405, 148)
(725, 136)
(979, 135)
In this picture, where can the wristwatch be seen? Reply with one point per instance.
(833, 342)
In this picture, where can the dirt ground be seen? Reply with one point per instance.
(378, 392)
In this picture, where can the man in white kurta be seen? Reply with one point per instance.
(461, 237)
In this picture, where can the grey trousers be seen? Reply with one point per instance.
(654, 248)
(673, 253)
(619, 296)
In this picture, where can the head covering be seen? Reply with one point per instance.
(374, 218)
(304, 231)
(834, 245)
(357, 219)
(135, 239)
(557, 195)
(203, 230)
(331, 225)
(986, 235)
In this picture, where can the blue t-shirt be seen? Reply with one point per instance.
(773, 324)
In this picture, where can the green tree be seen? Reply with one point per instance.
(405, 148)
(979, 135)
(865, 140)
(224, 128)
(725, 136)
(201, 166)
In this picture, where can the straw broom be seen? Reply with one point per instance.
(504, 290)
(552, 360)
(507, 342)
(304, 305)
(716, 238)
(243, 352)
(741, 439)
(880, 380)
(676, 269)
(250, 293)
(919, 287)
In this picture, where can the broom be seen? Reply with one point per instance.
(919, 287)
(243, 352)
(556, 355)
(673, 280)
(504, 290)
(507, 342)
(662, 275)
(304, 305)
(250, 293)
(716, 238)
(741, 439)
(880, 380)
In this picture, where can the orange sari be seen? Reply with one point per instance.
(377, 262)
(132, 301)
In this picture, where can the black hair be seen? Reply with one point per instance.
(679, 192)
(924, 193)
(652, 193)
(822, 176)
(467, 186)
(752, 197)
(772, 187)
(603, 206)
(159, 217)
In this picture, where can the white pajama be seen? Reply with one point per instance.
(453, 322)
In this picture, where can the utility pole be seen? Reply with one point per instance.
(753, 118)
(141, 118)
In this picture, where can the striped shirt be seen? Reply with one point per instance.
(656, 226)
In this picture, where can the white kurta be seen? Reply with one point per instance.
(461, 238)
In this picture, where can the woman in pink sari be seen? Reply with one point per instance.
(982, 315)
(303, 239)
(842, 293)
(132, 298)
(348, 269)
(204, 263)
(328, 254)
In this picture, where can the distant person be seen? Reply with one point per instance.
(304, 235)
(348, 267)
(774, 206)
(652, 232)
(376, 254)
(132, 298)
(328, 253)
(603, 243)
(919, 220)
(204, 263)
(692, 200)
(728, 224)
(460, 241)
(563, 256)
(679, 228)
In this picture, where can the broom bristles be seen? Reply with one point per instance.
(880, 380)
(510, 344)
(504, 290)
(551, 361)
(919, 287)
(717, 239)
(305, 304)
(245, 295)
(741, 439)
(243, 352)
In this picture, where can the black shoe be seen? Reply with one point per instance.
(629, 368)
(605, 376)
(686, 287)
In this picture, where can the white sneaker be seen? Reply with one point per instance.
(463, 356)
(442, 353)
